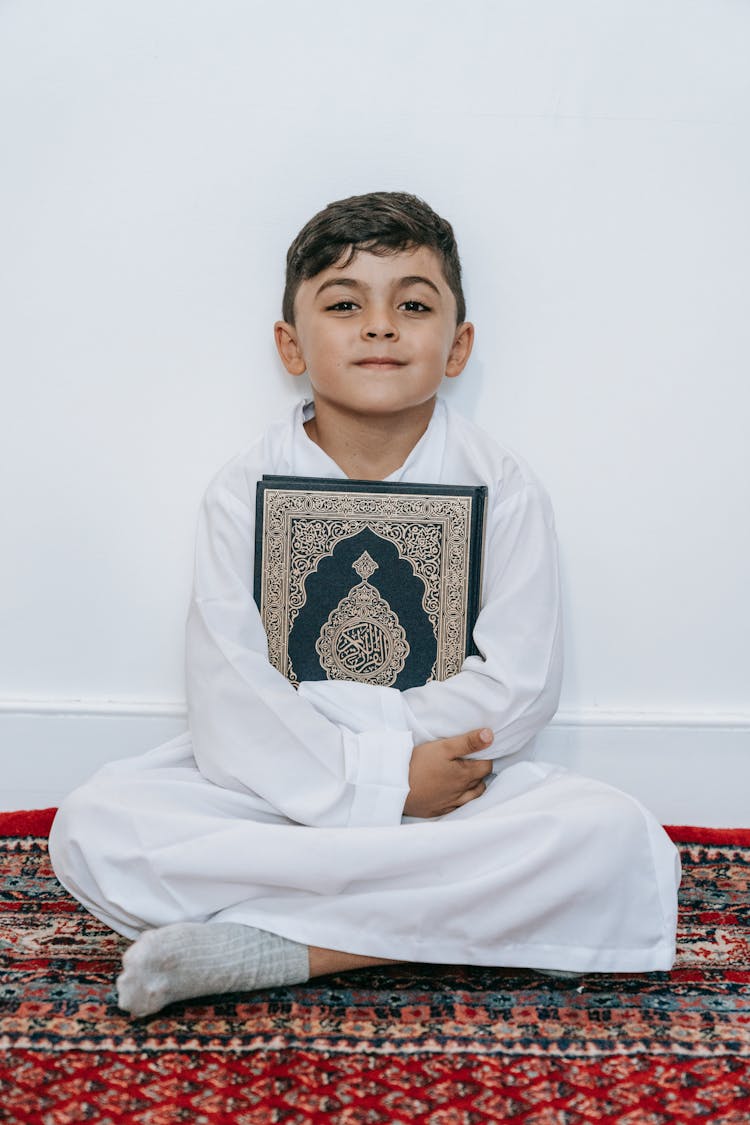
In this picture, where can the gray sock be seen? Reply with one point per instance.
(562, 974)
(190, 959)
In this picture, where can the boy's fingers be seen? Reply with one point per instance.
(477, 786)
(473, 741)
(471, 794)
(472, 773)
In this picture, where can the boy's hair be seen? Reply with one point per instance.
(381, 222)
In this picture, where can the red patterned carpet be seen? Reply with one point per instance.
(434, 1046)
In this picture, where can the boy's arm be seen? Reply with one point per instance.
(513, 687)
(251, 730)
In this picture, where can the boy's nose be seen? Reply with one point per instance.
(379, 323)
(380, 329)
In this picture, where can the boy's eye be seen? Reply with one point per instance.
(414, 306)
(342, 306)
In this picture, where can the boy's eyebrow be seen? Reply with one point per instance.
(352, 283)
(348, 282)
(405, 282)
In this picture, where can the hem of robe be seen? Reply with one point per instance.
(658, 957)
(526, 955)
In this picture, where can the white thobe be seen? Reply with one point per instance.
(283, 808)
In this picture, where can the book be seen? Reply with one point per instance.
(370, 581)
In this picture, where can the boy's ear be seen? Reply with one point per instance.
(288, 347)
(459, 354)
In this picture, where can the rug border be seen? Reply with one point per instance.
(27, 822)
(694, 834)
(37, 822)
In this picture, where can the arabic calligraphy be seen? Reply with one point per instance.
(363, 648)
(363, 639)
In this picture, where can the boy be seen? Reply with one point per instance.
(293, 833)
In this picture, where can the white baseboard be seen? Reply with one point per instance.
(48, 747)
(688, 768)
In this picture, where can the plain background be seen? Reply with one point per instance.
(594, 158)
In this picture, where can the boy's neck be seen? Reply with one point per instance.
(368, 447)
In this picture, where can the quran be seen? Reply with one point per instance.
(369, 581)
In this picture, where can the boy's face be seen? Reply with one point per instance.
(378, 335)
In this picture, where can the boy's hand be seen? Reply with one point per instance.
(441, 780)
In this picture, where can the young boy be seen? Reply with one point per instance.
(291, 833)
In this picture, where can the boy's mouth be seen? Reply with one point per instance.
(376, 361)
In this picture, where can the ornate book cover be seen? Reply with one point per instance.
(368, 580)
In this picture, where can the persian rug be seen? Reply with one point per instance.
(431, 1045)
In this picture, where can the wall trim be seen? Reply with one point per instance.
(114, 708)
(688, 767)
(578, 717)
(626, 717)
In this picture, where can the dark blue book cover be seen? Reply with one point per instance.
(368, 580)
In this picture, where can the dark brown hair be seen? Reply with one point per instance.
(381, 222)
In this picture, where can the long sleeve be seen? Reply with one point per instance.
(251, 730)
(513, 686)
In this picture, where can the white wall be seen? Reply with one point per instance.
(158, 157)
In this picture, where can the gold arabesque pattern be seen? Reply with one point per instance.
(431, 532)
